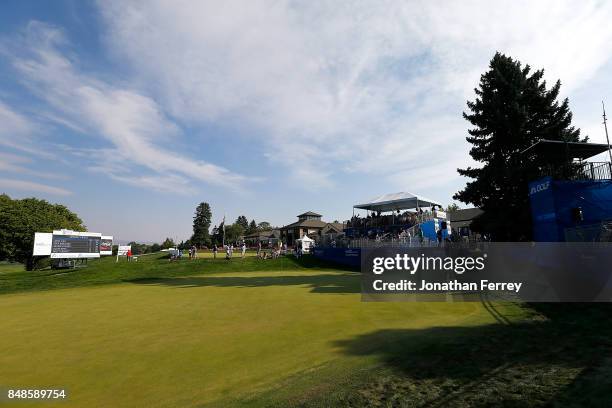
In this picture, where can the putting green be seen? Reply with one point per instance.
(189, 341)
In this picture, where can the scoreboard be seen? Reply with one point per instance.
(68, 244)
(75, 246)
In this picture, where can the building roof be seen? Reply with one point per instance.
(310, 214)
(463, 218)
(561, 150)
(396, 201)
(264, 234)
(306, 223)
(338, 226)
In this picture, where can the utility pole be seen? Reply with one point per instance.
(605, 123)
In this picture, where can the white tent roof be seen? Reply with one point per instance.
(397, 201)
(306, 238)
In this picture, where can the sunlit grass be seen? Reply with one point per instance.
(214, 337)
(282, 332)
(10, 267)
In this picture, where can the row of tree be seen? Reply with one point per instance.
(237, 230)
(203, 236)
(20, 219)
(141, 248)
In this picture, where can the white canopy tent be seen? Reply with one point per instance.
(305, 243)
(397, 201)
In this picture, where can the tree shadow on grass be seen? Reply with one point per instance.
(558, 359)
(322, 283)
(310, 261)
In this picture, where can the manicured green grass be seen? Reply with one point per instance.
(10, 267)
(211, 338)
(287, 333)
(105, 270)
(560, 357)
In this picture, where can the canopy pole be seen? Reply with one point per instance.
(605, 123)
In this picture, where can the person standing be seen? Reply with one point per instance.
(243, 249)
(215, 249)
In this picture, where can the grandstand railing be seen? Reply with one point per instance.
(580, 171)
(382, 222)
(344, 242)
(400, 243)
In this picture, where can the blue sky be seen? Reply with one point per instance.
(131, 113)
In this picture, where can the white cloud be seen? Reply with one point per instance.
(141, 136)
(19, 135)
(32, 187)
(347, 86)
(12, 159)
(328, 88)
(15, 130)
(18, 164)
(163, 184)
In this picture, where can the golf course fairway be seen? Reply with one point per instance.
(214, 339)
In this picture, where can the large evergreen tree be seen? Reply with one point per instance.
(252, 227)
(512, 110)
(243, 222)
(201, 225)
(218, 234)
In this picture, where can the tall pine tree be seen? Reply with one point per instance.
(201, 225)
(243, 222)
(513, 109)
(252, 227)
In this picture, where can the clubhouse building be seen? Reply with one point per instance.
(266, 238)
(309, 223)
